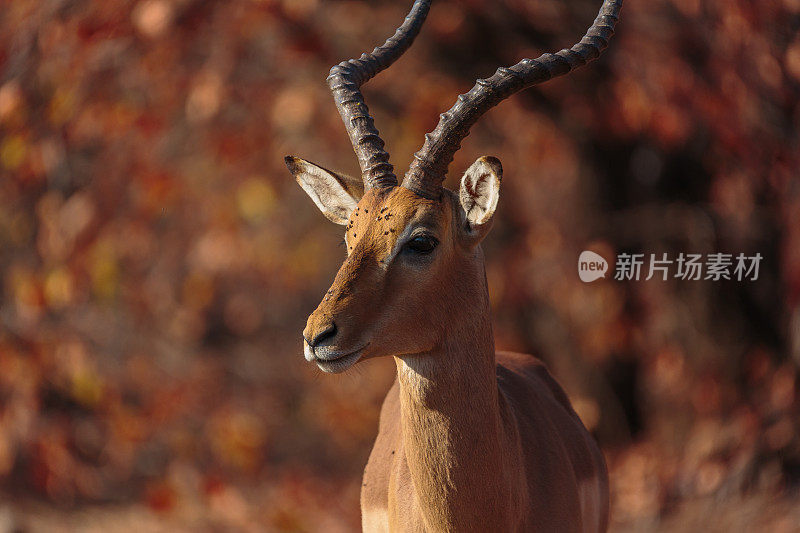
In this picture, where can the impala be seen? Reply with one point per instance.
(469, 439)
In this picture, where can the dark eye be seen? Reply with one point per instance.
(424, 244)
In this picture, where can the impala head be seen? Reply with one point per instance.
(404, 255)
(413, 258)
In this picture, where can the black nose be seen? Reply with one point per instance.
(326, 333)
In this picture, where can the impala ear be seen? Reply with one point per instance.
(480, 190)
(335, 194)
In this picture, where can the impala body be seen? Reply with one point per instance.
(469, 439)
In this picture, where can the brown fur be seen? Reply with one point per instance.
(468, 440)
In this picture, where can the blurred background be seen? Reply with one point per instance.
(158, 262)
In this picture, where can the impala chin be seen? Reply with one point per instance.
(339, 365)
(334, 361)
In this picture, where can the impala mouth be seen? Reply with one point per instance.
(334, 363)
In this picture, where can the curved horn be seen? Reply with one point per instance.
(428, 169)
(345, 81)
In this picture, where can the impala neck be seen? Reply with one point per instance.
(461, 454)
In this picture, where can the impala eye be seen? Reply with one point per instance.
(424, 244)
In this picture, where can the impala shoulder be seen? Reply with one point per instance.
(534, 373)
(519, 360)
